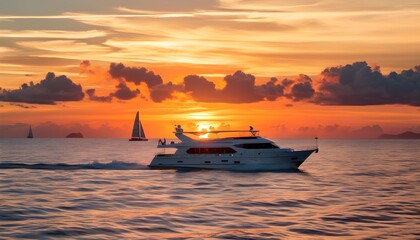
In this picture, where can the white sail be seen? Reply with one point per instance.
(136, 132)
(142, 134)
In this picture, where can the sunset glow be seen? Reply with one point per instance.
(289, 68)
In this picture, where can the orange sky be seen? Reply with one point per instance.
(212, 39)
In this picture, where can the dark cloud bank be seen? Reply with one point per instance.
(48, 91)
(240, 87)
(135, 75)
(92, 96)
(359, 84)
(122, 92)
(351, 84)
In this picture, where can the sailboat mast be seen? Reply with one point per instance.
(138, 124)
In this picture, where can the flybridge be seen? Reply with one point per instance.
(221, 131)
(179, 130)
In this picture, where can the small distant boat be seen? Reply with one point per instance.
(138, 132)
(30, 134)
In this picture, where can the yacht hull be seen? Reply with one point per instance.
(285, 160)
(138, 139)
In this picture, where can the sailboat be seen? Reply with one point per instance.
(30, 134)
(138, 132)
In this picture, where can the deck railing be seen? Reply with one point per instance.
(305, 148)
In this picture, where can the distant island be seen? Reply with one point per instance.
(75, 135)
(404, 135)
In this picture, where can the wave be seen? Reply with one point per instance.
(114, 165)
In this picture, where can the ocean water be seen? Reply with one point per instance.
(102, 189)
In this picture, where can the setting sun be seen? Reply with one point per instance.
(203, 128)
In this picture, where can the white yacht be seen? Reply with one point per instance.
(245, 153)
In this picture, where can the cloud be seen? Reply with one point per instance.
(306, 129)
(123, 92)
(368, 131)
(162, 92)
(135, 75)
(93, 97)
(37, 61)
(331, 128)
(358, 84)
(339, 131)
(52, 34)
(48, 91)
(240, 88)
(15, 130)
(303, 89)
(84, 67)
(85, 63)
(22, 105)
(270, 90)
(352, 84)
(200, 88)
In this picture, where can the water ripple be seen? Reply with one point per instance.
(352, 189)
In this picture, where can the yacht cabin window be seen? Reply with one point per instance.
(256, 145)
(220, 150)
